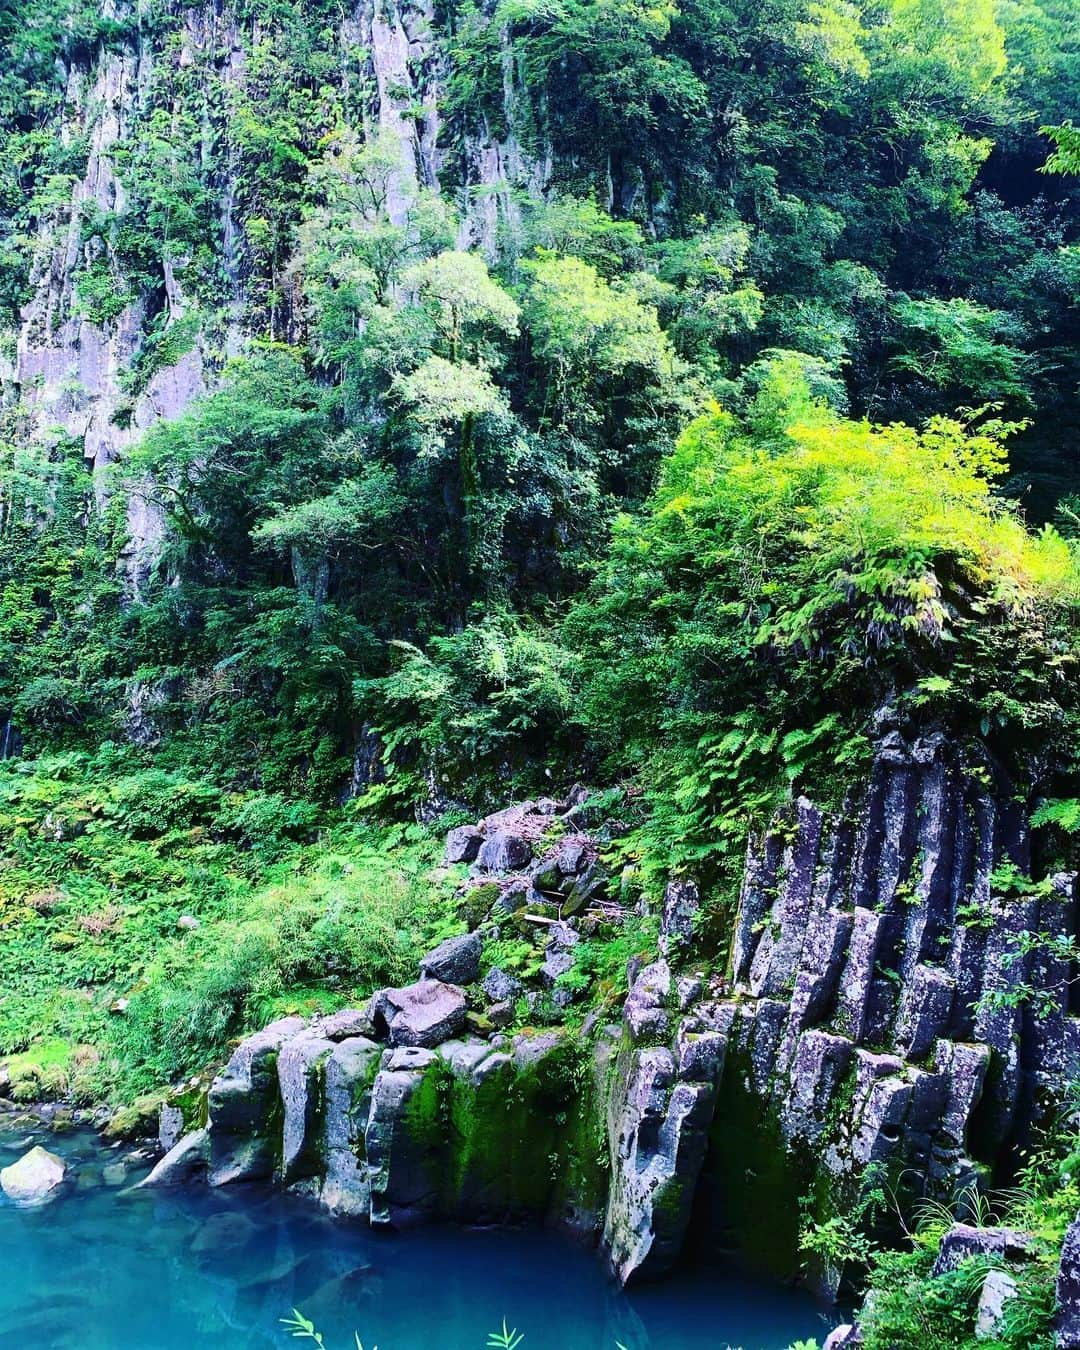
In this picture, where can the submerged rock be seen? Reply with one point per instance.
(33, 1178)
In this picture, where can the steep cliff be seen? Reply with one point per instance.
(149, 266)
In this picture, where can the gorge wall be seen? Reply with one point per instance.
(97, 370)
(894, 1011)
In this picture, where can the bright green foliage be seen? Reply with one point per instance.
(1066, 155)
(777, 590)
(297, 909)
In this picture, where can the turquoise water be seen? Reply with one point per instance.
(103, 1268)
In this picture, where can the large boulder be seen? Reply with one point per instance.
(33, 1178)
(964, 1241)
(455, 961)
(463, 844)
(504, 851)
(422, 1014)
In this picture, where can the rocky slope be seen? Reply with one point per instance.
(892, 1012)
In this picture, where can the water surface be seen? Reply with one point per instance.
(104, 1268)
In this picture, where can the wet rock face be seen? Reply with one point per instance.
(398, 1136)
(869, 962)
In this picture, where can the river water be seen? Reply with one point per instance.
(103, 1267)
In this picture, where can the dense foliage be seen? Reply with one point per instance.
(666, 463)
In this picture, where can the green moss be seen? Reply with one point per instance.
(751, 1181)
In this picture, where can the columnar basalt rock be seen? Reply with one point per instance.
(872, 1018)
(872, 1024)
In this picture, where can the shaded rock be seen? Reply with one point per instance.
(500, 986)
(963, 1241)
(563, 935)
(924, 1010)
(33, 1178)
(528, 1051)
(557, 961)
(591, 885)
(501, 1014)
(463, 844)
(844, 1337)
(657, 1135)
(184, 1162)
(504, 852)
(241, 1104)
(403, 1141)
(1067, 1292)
(455, 961)
(680, 910)
(349, 1071)
(422, 1014)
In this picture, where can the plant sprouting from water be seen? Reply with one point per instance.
(505, 1338)
(304, 1329)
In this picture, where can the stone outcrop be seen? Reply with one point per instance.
(1067, 1293)
(873, 1026)
(422, 1014)
(872, 1022)
(476, 1130)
